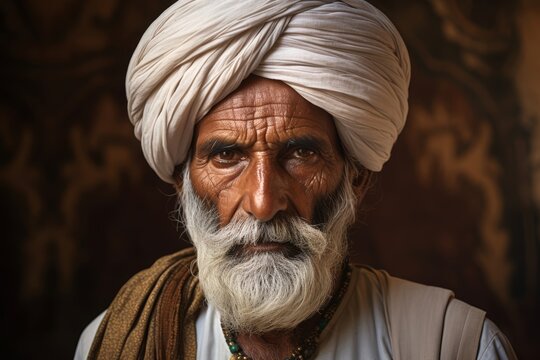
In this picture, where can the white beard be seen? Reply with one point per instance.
(264, 291)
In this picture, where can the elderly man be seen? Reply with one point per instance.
(270, 117)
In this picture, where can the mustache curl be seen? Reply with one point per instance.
(282, 229)
(300, 239)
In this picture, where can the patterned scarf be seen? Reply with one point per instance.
(153, 316)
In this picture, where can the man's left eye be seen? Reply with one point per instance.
(226, 155)
(302, 153)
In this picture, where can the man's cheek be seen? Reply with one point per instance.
(207, 184)
(227, 203)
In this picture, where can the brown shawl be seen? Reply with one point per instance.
(153, 316)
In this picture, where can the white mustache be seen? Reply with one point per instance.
(282, 230)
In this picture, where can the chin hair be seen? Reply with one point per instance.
(273, 290)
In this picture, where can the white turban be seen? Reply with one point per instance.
(345, 57)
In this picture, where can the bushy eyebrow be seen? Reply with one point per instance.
(214, 146)
(217, 145)
(306, 142)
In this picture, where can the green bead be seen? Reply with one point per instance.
(234, 348)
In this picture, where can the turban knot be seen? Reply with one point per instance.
(345, 57)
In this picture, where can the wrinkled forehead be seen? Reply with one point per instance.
(259, 100)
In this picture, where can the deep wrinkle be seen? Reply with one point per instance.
(264, 150)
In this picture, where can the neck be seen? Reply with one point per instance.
(276, 345)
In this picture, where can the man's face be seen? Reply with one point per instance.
(267, 199)
(265, 150)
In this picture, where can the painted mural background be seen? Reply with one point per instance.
(457, 206)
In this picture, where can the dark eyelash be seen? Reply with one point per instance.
(309, 147)
(218, 149)
(303, 143)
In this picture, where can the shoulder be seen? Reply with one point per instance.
(493, 344)
(164, 268)
(402, 296)
(437, 317)
(87, 337)
(181, 259)
(145, 289)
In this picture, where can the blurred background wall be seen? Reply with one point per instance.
(457, 206)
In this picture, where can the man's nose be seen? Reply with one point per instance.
(265, 191)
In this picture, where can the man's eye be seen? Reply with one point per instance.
(302, 153)
(227, 157)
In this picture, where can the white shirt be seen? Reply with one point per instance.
(358, 329)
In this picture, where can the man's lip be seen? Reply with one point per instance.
(264, 247)
(285, 248)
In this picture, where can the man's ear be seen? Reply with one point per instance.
(361, 184)
(178, 178)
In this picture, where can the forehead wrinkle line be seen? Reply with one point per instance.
(266, 117)
(256, 127)
(249, 132)
(233, 107)
(293, 112)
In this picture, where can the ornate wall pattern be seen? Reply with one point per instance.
(457, 206)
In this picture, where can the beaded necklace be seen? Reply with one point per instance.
(308, 346)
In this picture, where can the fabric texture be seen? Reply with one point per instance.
(345, 57)
(462, 331)
(427, 322)
(416, 317)
(153, 316)
(158, 315)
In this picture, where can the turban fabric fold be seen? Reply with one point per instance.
(345, 57)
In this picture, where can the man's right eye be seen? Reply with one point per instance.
(227, 157)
